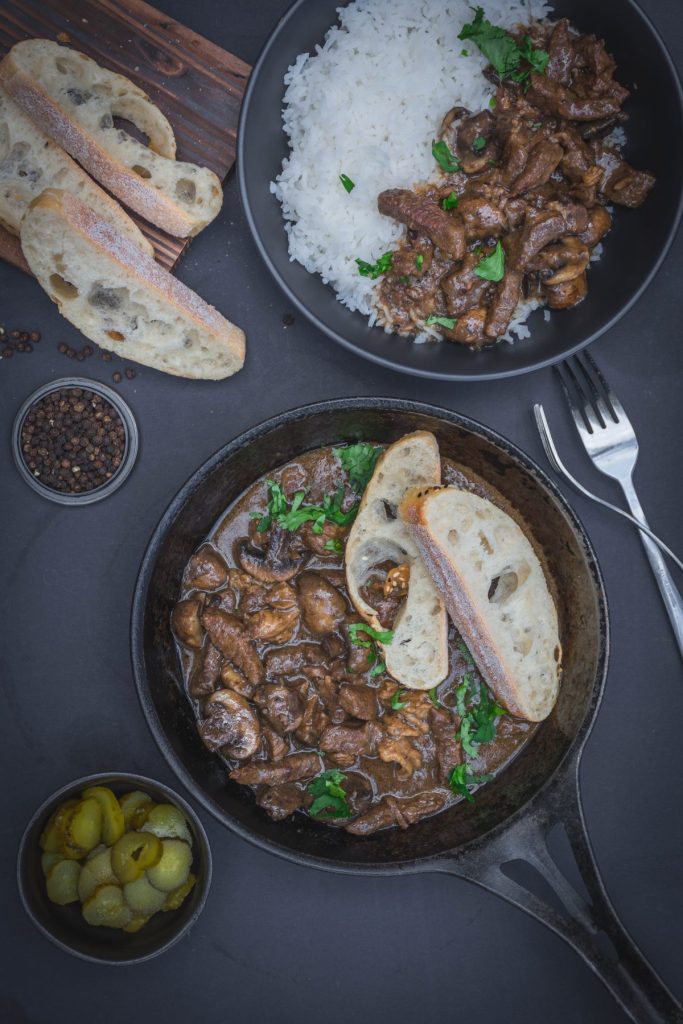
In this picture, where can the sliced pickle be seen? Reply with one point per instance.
(135, 807)
(135, 924)
(82, 829)
(107, 908)
(87, 883)
(48, 861)
(142, 897)
(133, 853)
(52, 836)
(167, 822)
(62, 882)
(176, 897)
(113, 825)
(173, 870)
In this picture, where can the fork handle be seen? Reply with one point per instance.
(672, 599)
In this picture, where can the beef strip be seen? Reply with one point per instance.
(230, 637)
(392, 811)
(289, 769)
(446, 231)
(279, 801)
(206, 671)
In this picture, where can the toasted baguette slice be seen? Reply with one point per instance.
(496, 594)
(120, 298)
(30, 163)
(74, 101)
(417, 657)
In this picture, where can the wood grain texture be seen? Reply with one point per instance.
(197, 85)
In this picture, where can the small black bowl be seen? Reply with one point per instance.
(66, 927)
(633, 250)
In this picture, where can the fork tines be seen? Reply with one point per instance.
(588, 393)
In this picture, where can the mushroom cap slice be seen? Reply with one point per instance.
(417, 657)
(240, 730)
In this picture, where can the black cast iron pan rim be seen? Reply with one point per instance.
(571, 757)
(146, 784)
(397, 365)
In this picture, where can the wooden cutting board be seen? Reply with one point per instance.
(197, 85)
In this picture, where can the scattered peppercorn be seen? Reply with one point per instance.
(36, 335)
(130, 373)
(72, 440)
(107, 356)
(15, 334)
(62, 348)
(116, 377)
(8, 352)
(288, 319)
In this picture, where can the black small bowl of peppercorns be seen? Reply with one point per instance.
(74, 441)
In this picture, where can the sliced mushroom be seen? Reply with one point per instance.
(322, 606)
(206, 570)
(562, 296)
(186, 624)
(283, 706)
(234, 679)
(231, 725)
(206, 671)
(275, 564)
(271, 626)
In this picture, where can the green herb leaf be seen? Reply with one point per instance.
(442, 321)
(484, 717)
(461, 778)
(358, 462)
(347, 183)
(501, 49)
(447, 161)
(451, 201)
(375, 270)
(383, 636)
(537, 58)
(464, 53)
(461, 694)
(492, 103)
(333, 545)
(330, 799)
(465, 651)
(433, 697)
(492, 267)
(536, 125)
(294, 516)
(419, 260)
(404, 279)
(378, 669)
(464, 734)
(396, 702)
(479, 144)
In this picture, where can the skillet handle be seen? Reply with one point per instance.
(591, 926)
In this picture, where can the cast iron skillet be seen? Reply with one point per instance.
(512, 814)
(634, 249)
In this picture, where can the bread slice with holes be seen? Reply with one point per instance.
(120, 298)
(496, 593)
(30, 163)
(75, 101)
(417, 656)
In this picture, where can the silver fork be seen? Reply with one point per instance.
(611, 444)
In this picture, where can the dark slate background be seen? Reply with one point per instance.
(278, 941)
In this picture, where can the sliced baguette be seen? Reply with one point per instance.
(30, 163)
(417, 657)
(120, 298)
(74, 101)
(472, 550)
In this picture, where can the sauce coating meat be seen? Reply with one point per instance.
(535, 175)
(292, 696)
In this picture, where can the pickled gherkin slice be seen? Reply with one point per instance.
(134, 852)
(135, 807)
(113, 825)
(48, 861)
(173, 869)
(52, 838)
(107, 907)
(142, 897)
(167, 822)
(82, 829)
(136, 923)
(176, 897)
(62, 882)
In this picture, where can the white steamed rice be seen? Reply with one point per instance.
(368, 104)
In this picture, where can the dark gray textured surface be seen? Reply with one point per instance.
(277, 940)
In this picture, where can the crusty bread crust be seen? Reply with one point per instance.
(169, 192)
(529, 691)
(417, 657)
(120, 298)
(30, 163)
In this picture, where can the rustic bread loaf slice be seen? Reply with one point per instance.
(74, 101)
(417, 657)
(496, 593)
(120, 298)
(30, 163)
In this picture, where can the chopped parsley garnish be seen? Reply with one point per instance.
(396, 702)
(479, 144)
(375, 270)
(461, 778)
(291, 517)
(501, 50)
(464, 53)
(330, 799)
(536, 125)
(466, 737)
(404, 279)
(433, 697)
(465, 651)
(383, 636)
(333, 545)
(347, 183)
(419, 260)
(492, 267)
(447, 161)
(378, 669)
(358, 462)
(492, 103)
(441, 321)
(451, 201)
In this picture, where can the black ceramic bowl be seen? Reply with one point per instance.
(634, 249)
(65, 925)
